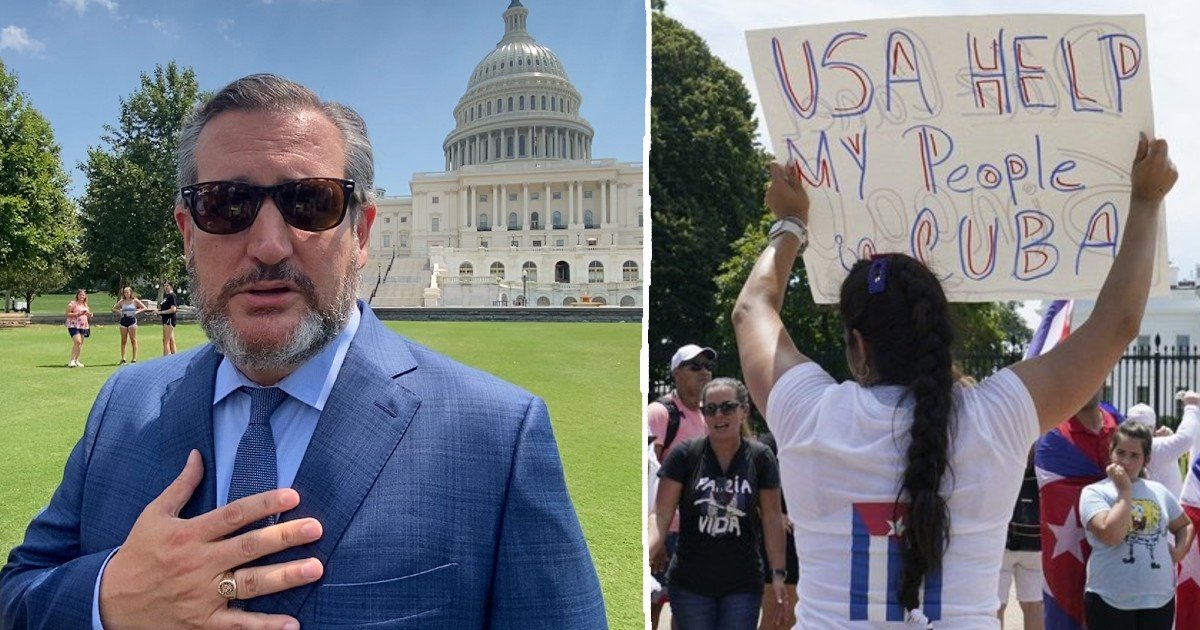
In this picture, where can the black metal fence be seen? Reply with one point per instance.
(1150, 374)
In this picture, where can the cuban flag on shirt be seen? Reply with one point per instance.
(877, 563)
(1062, 471)
(1187, 589)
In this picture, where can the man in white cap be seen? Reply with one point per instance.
(674, 419)
(1168, 447)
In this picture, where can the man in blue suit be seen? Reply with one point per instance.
(333, 473)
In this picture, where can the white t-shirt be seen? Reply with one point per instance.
(841, 453)
(1166, 451)
(1137, 573)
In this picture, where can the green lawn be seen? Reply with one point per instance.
(587, 373)
(56, 303)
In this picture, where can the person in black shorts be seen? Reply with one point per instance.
(167, 309)
(129, 306)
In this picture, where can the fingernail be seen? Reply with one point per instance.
(291, 625)
(310, 530)
(311, 570)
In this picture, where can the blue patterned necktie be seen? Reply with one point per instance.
(254, 467)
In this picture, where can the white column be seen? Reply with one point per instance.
(524, 205)
(570, 203)
(503, 209)
(495, 196)
(604, 218)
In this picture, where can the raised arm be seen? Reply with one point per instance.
(1061, 380)
(764, 345)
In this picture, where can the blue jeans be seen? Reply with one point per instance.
(736, 611)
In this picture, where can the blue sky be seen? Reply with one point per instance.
(402, 64)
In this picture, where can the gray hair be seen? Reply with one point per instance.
(271, 93)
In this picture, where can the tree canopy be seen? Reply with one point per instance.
(707, 177)
(38, 225)
(129, 233)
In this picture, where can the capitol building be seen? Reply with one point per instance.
(522, 214)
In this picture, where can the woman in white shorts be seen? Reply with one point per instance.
(922, 472)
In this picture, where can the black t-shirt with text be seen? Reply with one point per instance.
(719, 525)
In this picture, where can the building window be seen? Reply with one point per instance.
(499, 106)
(535, 222)
(497, 270)
(543, 101)
(535, 196)
(514, 223)
(510, 146)
(435, 224)
(521, 101)
(514, 243)
(472, 113)
(529, 271)
(1182, 342)
(557, 218)
(553, 105)
(558, 242)
(489, 108)
(595, 271)
(435, 199)
(639, 219)
(387, 240)
(557, 195)
(587, 194)
(537, 243)
(627, 300)
(1143, 343)
(403, 241)
(629, 271)
(387, 219)
(512, 196)
(510, 103)
(569, 301)
(587, 220)
(404, 219)
(543, 301)
(465, 269)
(483, 197)
(639, 192)
(483, 222)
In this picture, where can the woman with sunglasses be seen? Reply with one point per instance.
(927, 470)
(129, 307)
(726, 488)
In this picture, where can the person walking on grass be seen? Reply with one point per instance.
(78, 313)
(167, 309)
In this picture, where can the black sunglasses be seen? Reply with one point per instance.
(696, 367)
(726, 408)
(312, 204)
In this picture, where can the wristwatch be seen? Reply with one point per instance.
(793, 225)
(778, 573)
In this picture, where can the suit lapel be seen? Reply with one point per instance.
(364, 419)
(185, 423)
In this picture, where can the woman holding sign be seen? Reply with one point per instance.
(927, 469)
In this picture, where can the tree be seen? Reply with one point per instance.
(707, 177)
(129, 233)
(989, 334)
(38, 227)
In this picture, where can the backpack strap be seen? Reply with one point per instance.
(672, 422)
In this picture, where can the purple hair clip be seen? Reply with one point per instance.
(877, 276)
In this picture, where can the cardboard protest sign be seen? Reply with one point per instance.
(996, 149)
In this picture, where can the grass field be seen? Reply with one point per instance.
(587, 373)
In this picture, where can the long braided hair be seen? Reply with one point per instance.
(899, 308)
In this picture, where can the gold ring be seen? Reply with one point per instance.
(227, 587)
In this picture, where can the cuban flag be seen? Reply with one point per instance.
(877, 563)
(1187, 589)
(1062, 471)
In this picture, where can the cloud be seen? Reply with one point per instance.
(17, 39)
(81, 6)
(166, 27)
(224, 24)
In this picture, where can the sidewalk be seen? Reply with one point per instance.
(1012, 615)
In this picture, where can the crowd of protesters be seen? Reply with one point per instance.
(913, 493)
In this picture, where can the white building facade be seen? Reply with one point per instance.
(522, 215)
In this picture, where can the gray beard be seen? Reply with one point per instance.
(318, 326)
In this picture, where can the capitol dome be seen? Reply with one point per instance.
(519, 105)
